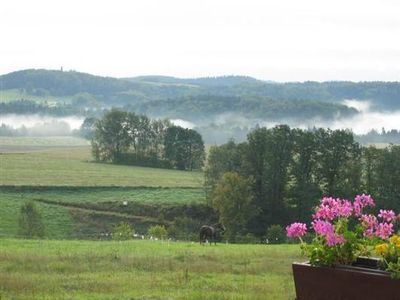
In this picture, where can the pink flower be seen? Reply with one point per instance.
(384, 230)
(344, 208)
(387, 215)
(327, 230)
(369, 222)
(296, 230)
(334, 239)
(324, 212)
(322, 227)
(361, 201)
(331, 208)
(329, 201)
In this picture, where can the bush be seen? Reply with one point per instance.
(276, 234)
(123, 231)
(157, 231)
(30, 221)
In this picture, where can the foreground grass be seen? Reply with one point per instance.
(73, 167)
(31, 269)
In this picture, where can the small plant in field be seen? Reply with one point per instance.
(123, 231)
(158, 231)
(343, 232)
(30, 221)
(276, 234)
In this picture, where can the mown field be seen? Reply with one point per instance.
(73, 166)
(31, 269)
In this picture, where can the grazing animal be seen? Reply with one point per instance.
(209, 233)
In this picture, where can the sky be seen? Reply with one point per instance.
(280, 40)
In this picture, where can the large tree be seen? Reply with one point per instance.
(387, 189)
(304, 190)
(338, 157)
(234, 201)
(222, 159)
(111, 136)
(184, 148)
(268, 156)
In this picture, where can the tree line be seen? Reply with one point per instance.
(127, 138)
(279, 174)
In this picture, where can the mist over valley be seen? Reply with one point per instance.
(47, 102)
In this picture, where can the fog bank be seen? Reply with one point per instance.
(361, 123)
(36, 125)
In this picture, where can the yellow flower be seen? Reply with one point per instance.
(395, 239)
(381, 248)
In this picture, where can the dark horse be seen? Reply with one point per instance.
(209, 233)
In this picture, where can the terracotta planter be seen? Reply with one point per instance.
(361, 281)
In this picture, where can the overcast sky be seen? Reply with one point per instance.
(282, 40)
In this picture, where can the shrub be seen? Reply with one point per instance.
(276, 234)
(157, 231)
(30, 221)
(123, 231)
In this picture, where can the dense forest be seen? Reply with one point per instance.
(279, 174)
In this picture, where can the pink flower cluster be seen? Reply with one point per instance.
(331, 209)
(296, 230)
(372, 227)
(360, 202)
(387, 215)
(384, 230)
(369, 222)
(327, 229)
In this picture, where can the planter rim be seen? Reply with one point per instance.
(348, 268)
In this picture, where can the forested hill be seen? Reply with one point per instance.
(181, 98)
(144, 88)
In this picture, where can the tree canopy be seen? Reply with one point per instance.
(128, 138)
(288, 170)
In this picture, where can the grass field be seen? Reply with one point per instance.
(80, 199)
(57, 219)
(58, 174)
(32, 269)
(73, 166)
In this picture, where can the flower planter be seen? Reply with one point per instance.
(360, 281)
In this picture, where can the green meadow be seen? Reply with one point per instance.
(58, 174)
(73, 166)
(42, 269)
(79, 198)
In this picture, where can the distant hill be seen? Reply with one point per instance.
(194, 98)
(59, 83)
